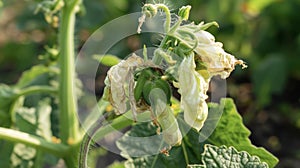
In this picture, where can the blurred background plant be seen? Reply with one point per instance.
(264, 33)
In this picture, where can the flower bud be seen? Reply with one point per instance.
(184, 12)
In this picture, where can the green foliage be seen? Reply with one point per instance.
(222, 156)
(36, 75)
(229, 131)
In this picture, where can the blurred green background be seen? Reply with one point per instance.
(264, 33)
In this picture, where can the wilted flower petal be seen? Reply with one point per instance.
(193, 88)
(217, 61)
(205, 37)
(120, 83)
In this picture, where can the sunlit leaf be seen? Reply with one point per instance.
(231, 131)
(33, 75)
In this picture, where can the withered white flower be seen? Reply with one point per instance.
(193, 88)
(120, 84)
(217, 61)
(193, 85)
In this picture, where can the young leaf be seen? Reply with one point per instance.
(222, 156)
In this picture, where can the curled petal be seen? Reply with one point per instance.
(205, 37)
(193, 88)
(120, 83)
(217, 61)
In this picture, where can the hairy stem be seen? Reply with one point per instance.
(34, 141)
(86, 142)
(168, 16)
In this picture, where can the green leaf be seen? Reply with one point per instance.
(222, 156)
(108, 60)
(130, 146)
(34, 76)
(175, 159)
(231, 131)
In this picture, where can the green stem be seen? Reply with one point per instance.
(34, 141)
(37, 89)
(87, 140)
(174, 27)
(156, 156)
(168, 16)
(119, 123)
(67, 97)
(157, 59)
(186, 157)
